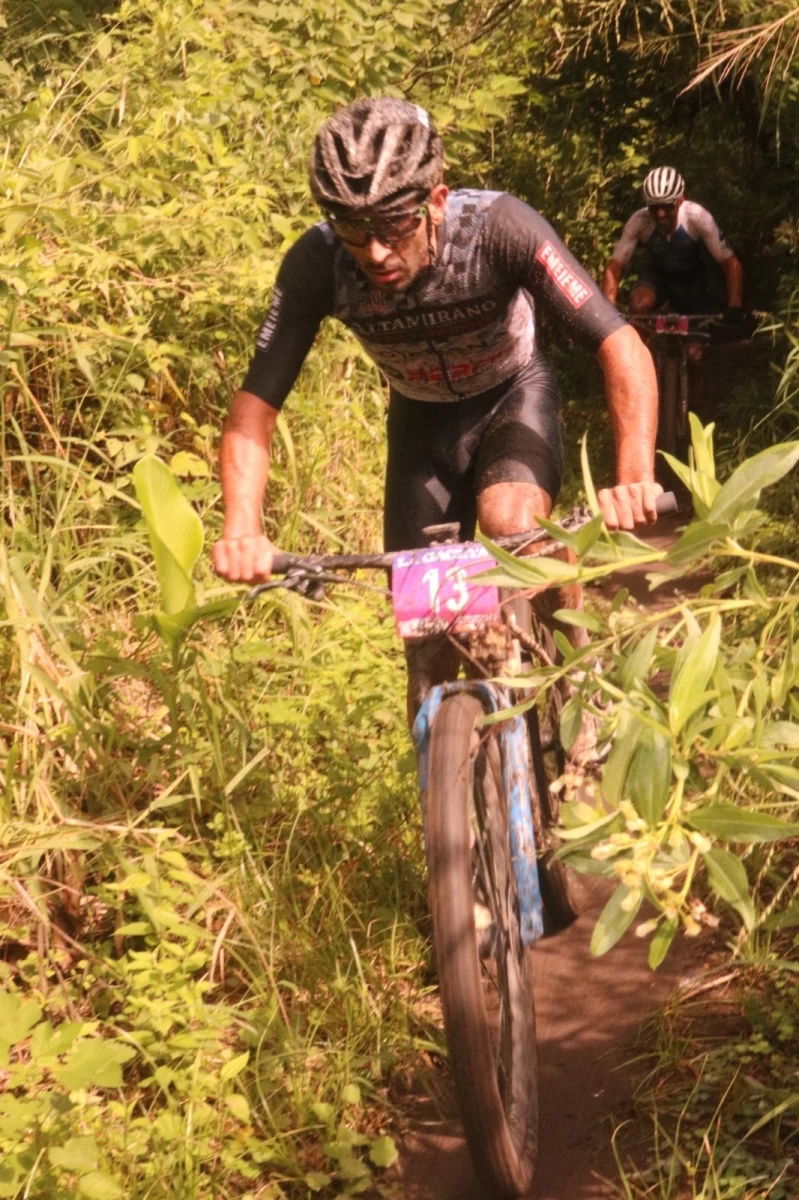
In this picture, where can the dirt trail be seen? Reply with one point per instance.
(589, 1014)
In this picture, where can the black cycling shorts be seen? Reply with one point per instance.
(682, 295)
(441, 456)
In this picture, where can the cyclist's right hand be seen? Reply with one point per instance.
(243, 559)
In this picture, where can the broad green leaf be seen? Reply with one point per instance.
(95, 1063)
(189, 465)
(614, 919)
(745, 484)
(661, 940)
(78, 1154)
(383, 1152)
(238, 1106)
(635, 667)
(649, 775)
(696, 541)
(316, 1180)
(733, 824)
(578, 618)
(688, 686)
(99, 1186)
(17, 1017)
(615, 771)
(780, 733)
(588, 536)
(702, 445)
(351, 1094)
(231, 1069)
(728, 879)
(176, 534)
(570, 721)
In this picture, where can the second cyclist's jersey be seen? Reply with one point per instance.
(464, 325)
(679, 254)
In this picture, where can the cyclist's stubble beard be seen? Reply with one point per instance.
(394, 270)
(667, 223)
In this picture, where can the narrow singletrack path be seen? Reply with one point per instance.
(589, 1013)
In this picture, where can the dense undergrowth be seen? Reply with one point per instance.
(215, 943)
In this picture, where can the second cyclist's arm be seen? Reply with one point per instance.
(734, 277)
(620, 256)
(611, 278)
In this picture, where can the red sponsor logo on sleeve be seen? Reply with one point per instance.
(575, 291)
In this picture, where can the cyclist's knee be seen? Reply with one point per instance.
(511, 507)
(642, 301)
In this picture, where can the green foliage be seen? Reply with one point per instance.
(709, 757)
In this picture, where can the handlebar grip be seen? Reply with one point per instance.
(281, 563)
(666, 503)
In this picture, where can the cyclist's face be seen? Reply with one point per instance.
(394, 268)
(666, 215)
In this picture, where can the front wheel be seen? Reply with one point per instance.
(484, 971)
(672, 434)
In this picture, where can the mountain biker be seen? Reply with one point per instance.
(673, 231)
(440, 288)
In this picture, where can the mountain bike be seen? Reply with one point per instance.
(489, 818)
(671, 334)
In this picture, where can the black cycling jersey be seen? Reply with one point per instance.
(464, 326)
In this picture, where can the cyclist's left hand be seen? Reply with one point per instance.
(629, 504)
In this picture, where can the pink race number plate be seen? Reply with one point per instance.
(669, 324)
(432, 590)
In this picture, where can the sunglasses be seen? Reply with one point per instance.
(668, 209)
(390, 229)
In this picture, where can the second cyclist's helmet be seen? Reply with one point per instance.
(663, 186)
(375, 153)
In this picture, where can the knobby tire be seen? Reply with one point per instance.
(492, 1054)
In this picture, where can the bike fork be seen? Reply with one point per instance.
(516, 775)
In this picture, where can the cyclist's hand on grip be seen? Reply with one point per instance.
(243, 559)
(630, 504)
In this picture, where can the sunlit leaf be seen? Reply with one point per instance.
(746, 482)
(649, 775)
(615, 918)
(176, 534)
(692, 676)
(728, 879)
(661, 940)
(732, 824)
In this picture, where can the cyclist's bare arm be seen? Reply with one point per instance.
(631, 390)
(611, 279)
(243, 553)
(733, 274)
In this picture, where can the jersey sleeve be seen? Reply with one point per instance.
(302, 296)
(708, 232)
(630, 237)
(526, 252)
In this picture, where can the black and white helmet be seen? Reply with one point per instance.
(663, 186)
(375, 153)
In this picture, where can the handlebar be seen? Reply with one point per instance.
(319, 566)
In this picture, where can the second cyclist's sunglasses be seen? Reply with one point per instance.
(665, 208)
(390, 229)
